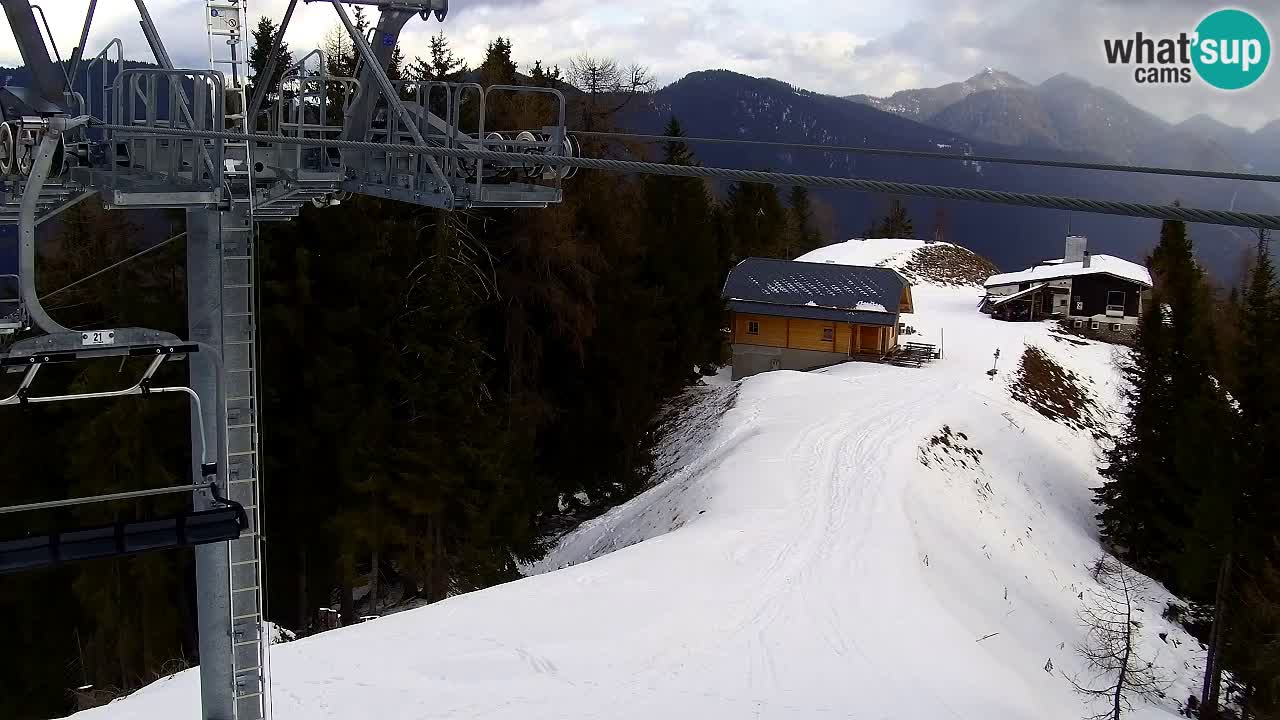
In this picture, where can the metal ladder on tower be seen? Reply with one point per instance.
(228, 53)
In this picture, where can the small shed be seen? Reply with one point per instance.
(788, 315)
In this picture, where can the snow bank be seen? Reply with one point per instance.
(811, 553)
(884, 252)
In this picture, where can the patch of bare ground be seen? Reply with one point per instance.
(1056, 392)
(948, 446)
(944, 264)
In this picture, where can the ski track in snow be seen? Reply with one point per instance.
(798, 561)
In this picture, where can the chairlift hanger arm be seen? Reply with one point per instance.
(390, 23)
(46, 76)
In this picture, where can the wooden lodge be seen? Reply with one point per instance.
(788, 315)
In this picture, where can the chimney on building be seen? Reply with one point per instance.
(1075, 249)
(1084, 261)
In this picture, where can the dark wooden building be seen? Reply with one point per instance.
(1098, 294)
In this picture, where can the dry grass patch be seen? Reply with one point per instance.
(1055, 392)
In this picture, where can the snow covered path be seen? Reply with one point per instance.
(820, 557)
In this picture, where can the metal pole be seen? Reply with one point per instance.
(213, 570)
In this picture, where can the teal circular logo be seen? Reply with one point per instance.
(1232, 49)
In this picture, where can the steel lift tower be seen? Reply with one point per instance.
(146, 138)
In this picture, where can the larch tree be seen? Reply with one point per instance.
(1118, 673)
(607, 87)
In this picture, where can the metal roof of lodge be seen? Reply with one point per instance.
(805, 288)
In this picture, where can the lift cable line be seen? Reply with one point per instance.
(995, 159)
(113, 265)
(1056, 202)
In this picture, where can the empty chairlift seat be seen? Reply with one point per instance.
(199, 527)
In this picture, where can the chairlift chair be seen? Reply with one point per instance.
(222, 523)
(123, 538)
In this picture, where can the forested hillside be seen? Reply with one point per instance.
(442, 392)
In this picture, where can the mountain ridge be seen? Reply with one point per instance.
(726, 104)
(922, 103)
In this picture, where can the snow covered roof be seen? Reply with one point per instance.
(1055, 270)
(815, 286)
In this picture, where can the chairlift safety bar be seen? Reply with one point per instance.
(109, 497)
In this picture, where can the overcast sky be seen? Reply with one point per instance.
(833, 46)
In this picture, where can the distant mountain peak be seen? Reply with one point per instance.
(1205, 123)
(1271, 129)
(1065, 79)
(923, 103)
(990, 79)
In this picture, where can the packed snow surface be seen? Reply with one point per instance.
(807, 552)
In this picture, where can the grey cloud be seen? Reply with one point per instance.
(1036, 40)
(835, 47)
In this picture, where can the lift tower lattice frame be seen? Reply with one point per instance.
(54, 151)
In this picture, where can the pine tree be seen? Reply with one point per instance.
(263, 35)
(802, 236)
(1250, 625)
(441, 64)
(541, 77)
(395, 66)
(1138, 459)
(756, 221)
(1257, 368)
(1258, 669)
(1157, 510)
(498, 68)
(896, 224)
(683, 264)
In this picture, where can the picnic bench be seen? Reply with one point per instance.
(915, 354)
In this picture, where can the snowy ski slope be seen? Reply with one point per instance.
(811, 555)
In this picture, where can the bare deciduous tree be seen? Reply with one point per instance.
(1119, 674)
(607, 86)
